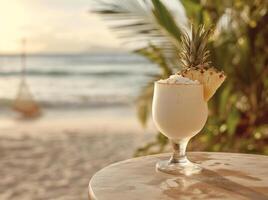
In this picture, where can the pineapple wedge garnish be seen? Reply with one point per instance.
(196, 65)
(209, 77)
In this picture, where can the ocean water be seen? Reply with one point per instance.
(63, 81)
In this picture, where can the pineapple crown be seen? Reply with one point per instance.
(194, 51)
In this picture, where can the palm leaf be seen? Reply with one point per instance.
(155, 55)
(139, 25)
(144, 101)
(193, 10)
(166, 21)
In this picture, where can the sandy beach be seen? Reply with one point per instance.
(88, 121)
(55, 156)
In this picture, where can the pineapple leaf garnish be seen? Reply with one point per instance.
(194, 51)
(195, 61)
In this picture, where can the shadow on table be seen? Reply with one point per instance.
(210, 184)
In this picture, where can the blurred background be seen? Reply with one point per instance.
(76, 83)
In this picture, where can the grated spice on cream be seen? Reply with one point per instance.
(178, 79)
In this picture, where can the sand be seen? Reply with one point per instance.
(54, 158)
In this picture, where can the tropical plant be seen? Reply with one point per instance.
(238, 119)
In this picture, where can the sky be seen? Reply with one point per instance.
(52, 26)
(56, 26)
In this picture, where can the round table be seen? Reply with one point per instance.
(224, 176)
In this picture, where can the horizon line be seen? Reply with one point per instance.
(67, 53)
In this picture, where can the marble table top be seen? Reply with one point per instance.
(224, 176)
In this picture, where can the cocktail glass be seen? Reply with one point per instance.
(179, 112)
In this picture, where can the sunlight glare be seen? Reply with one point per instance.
(13, 17)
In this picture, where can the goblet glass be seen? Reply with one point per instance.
(179, 112)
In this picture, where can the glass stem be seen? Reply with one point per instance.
(179, 154)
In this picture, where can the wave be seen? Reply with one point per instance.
(75, 73)
(83, 102)
(80, 58)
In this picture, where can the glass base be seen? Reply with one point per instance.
(184, 167)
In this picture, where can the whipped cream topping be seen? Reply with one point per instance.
(178, 79)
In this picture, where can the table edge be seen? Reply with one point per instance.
(90, 190)
(157, 155)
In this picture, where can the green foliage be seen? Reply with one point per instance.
(166, 20)
(144, 102)
(153, 147)
(238, 119)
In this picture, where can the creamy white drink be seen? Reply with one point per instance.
(179, 112)
(179, 109)
(180, 102)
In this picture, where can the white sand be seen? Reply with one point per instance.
(54, 158)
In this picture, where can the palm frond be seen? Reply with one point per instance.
(166, 21)
(139, 25)
(144, 101)
(155, 55)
